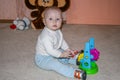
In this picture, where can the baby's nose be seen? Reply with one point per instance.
(54, 21)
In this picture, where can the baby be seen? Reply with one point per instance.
(52, 51)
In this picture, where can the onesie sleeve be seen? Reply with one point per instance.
(64, 45)
(49, 46)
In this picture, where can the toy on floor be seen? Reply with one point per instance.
(88, 58)
(20, 24)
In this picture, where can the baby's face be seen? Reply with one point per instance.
(53, 19)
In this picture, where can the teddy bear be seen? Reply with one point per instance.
(38, 6)
(21, 24)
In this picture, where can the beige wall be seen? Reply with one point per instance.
(94, 12)
(7, 9)
(10, 9)
(80, 11)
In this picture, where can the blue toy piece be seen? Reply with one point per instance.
(92, 43)
(88, 61)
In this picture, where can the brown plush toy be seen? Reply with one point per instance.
(38, 6)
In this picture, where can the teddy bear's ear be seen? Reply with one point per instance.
(30, 4)
(64, 4)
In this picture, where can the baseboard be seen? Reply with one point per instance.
(5, 21)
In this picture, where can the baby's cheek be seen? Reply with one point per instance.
(59, 23)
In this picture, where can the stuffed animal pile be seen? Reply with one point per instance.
(21, 24)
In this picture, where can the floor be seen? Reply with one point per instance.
(17, 50)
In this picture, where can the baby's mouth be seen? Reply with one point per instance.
(54, 25)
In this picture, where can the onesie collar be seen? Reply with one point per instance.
(51, 31)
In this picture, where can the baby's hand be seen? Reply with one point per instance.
(73, 53)
(65, 54)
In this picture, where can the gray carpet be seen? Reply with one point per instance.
(17, 50)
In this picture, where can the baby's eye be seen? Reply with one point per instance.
(50, 18)
(58, 19)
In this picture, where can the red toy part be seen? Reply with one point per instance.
(75, 53)
(13, 26)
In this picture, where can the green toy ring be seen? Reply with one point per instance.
(92, 70)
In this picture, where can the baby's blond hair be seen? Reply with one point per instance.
(51, 8)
